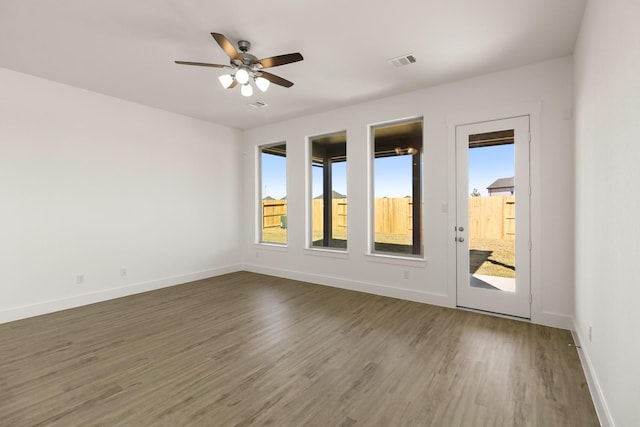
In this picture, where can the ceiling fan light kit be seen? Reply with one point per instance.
(246, 67)
(246, 90)
(262, 83)
(242, 76)
(226, 80)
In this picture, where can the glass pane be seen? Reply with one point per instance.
(397, 188)
(329, 191)
(273, 165)
(492, 211)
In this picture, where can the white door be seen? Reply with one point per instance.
(492, 216)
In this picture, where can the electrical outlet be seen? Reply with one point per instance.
(589, 333)
(80, 279)
(405, 274)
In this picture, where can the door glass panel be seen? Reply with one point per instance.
(492, 238)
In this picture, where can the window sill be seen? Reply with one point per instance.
(275, 247)
(325, 252)
(397, 260)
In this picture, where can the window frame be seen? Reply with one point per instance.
(371, 151)
(310, 196)
(259, 237)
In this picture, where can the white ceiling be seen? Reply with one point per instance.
(126, 48)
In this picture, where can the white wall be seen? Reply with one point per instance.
(91, 184)
(607, 97)
(547, 84)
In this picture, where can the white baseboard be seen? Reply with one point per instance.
(36, 309)
(22, 312)
(353, 285)
(555, 320)
(604, 415)
(544, 318)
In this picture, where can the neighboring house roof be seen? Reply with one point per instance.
(334, 195)
(268, 198)
(501, 183)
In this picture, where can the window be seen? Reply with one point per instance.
(273, 193)
(397, 188)
(329, 191)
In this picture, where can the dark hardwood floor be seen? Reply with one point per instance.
(246, 349)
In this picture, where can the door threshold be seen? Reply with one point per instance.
(493, 313)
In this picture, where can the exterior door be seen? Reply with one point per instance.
(492, 216)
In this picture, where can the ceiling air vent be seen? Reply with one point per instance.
(258, 104)
(403, 60)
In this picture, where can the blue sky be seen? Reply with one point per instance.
(339, 179)
(486, 164)
(274, 176)
(393, 174)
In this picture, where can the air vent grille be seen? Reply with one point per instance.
(258, 104)
(403, 60)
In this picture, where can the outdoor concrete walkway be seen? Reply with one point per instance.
(492, 282)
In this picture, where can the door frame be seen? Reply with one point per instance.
(518, 303)
(488, 114)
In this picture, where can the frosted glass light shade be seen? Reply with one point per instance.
(246, 90)
(226, 80)
(262, 83)
(242, 76)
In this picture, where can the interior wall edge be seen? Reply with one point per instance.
(40, 308)
(602, 409)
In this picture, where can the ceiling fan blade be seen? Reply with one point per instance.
(233, 84)
(276, 79)
(202, 64)
(227, 46)
(274, 61)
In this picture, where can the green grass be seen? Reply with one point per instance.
(274, 235)
(279, 235)
(490, 257)
(394, 239)
(386, 242)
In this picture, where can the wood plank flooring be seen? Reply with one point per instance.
(246, 349)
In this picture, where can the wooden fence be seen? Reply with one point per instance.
(492, 217)
(394, 216)
(338, 215)
(489, 217)
(272, 211)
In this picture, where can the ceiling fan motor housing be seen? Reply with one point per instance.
(244, 46)
(247, 58)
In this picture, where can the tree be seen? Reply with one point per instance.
(475, 193)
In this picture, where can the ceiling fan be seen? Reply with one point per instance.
(246, 67)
